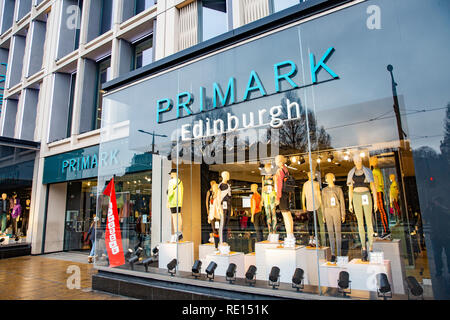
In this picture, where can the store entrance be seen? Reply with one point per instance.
(80, 212)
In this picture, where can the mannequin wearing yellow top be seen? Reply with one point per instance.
(175, 202)
(379, 185)
(393, 197)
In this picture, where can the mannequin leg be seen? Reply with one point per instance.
(3, 222)
(268, 212)
(225, 221)
(177, 225)
(321, 228)
(288, 222)
(330, 227)
(274, 220)
(310, 224)
(337, 230)
(221, 228)
(357, 206)
(369, 222)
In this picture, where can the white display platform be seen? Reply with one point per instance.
(260, 253)
(329, 274)
(287, 259)
(250, 259)
(204, 250)
(224, 260)
(6, 241)
(183, 251)
(314, 257)
(392, 253)
(363, 274)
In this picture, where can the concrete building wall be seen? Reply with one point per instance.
(45, 41)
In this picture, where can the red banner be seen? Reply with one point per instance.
(113, 238)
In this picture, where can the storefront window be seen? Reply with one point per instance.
(279, 5)
(141, 5)
(80, 214)
(320, 160)
(16, 175)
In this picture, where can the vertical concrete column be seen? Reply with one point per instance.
(159, 32)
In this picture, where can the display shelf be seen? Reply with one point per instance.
(392, 252)
(260, 259)
(287, 259)
(329, 274)
(204, 250)
(250, 259)
(224, 260)
(313, 257)
(363, 274)
(183, 251)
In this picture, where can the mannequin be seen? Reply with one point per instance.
(15, 215)
(360, 182)
(209, 202)
(175, 202)
(225, 201)
(269, 197)
(309, 206)
(282, 200)
(25, 217)
(379, 185)
(393, 197)
(257, 218)
(334, 211)
(4, 211)
(215, 214)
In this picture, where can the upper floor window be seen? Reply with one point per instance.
(279, 5)
(142, 5)
(106, 16)
(214, 18)
(103, 75)
(143, 52)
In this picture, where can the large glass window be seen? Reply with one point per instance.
(289, 157)
(103, 75)
(214, 18)
(80, 214)
(143, 53)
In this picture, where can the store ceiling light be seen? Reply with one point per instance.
(362, 154)
(330, 158)
(301, 160)
(319, 159)
(294, 159)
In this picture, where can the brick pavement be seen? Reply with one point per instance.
(43, 278)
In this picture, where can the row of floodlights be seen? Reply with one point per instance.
(344, 283)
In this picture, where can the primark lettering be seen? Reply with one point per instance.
(90, 161)
(186, 104)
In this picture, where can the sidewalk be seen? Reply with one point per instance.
(46, 278)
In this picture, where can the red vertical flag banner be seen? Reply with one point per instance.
(113, 238)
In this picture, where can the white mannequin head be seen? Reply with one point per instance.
(280, 160)
(225, 176)
(357, 161)
(4, 196)
(254, 188)
(392, 177)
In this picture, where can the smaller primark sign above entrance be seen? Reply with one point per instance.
(84, 163)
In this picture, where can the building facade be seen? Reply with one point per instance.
(167, 96)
